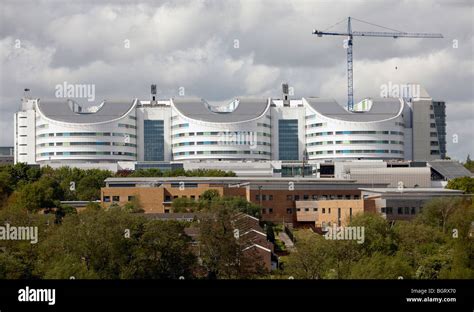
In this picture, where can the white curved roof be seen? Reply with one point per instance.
(198, 109)
(71, 112)
(382, 109)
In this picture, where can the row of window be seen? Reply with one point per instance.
(316, 125)
(221, 153)
(352, 132)
(81, 134)
(127, 126)
(355, 142)
(219, 143)
(85, 154)
(401, 210)
(307, 197)
(216, 133)
(86, 144)
(330, 152)
(261, 124)
(179, 126)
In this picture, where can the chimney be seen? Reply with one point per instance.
(286, 99)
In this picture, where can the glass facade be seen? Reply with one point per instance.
(154, 142)
(439, 109)
(288, 139)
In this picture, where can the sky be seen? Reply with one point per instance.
(219, 50)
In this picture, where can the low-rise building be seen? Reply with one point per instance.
(276, 196)
(403, 203)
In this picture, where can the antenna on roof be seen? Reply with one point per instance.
(285, 89)
(153, 93)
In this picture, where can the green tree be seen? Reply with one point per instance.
(465, 184)
(164, 252)
(380, 266)
(469, 164)
(222, 254)
(439, 211)
(310, 260)
(377, 233)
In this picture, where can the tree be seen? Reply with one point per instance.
(380, 266)
(100, 243)
(310, 260)
(223, 254)
(438, 211)
(469, 164)
(37, 195)
(134, 205)
(465, 184)
(163, 252)
(377, 233)
(210, 195)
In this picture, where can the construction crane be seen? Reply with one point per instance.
(348, 45)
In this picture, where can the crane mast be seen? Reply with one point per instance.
(349, 43)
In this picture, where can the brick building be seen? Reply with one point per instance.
(276, 196)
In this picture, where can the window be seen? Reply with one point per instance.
(257, 197)
(264, 211)
(329, 210)
(413, 210)
(289, 197)
(264, 197)
(324, 210)
(130, 198)
(193, 197)
(400, 210)
(289, 210)
(339, 197)
(115, 198)
(288, 139)
(406, 210)
(106, 199)
(348, 196)
(315, 209)
(174, 197)
(270, 210)
(314, 197)
(167, 198)
(270, 197)
(305, 197)
(356, 197)
(153, 137)
(297, 197)
(389, 210)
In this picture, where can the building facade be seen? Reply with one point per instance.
(49, 132)
(275, 196)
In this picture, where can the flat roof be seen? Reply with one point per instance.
(227, 179)
(393, 190)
